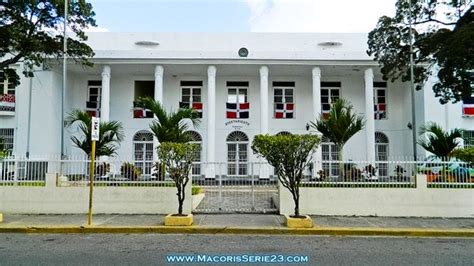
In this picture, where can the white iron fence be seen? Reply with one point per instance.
(22, 171)
(246, 187)
(110, 171)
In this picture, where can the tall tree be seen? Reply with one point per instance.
(341, 125)
(443, 37)
(169, 126)
(110, 134)
(437, 141)
(31, 31)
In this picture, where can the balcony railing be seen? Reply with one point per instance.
(7, 104)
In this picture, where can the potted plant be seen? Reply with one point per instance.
(177, 159)
(290, 155)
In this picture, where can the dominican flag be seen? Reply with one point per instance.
(468, 106)
(284, 110)
(195, 106)
(238, 110)
(380, 111)
(7, 102)
(140, 112)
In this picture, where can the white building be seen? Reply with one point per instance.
(261, 72)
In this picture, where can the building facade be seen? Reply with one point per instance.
(243, 84)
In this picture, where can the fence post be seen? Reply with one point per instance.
(421, 182)
(220, 188)
(51, 179)
(253, 185)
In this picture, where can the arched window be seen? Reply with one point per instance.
(381, 152)
(330, 154)
(237, 153)
(283, 133)
(196, 138)
(143, 151)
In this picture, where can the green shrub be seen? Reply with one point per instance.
(129, 171)
(102, 169)
(465, 154)
(177, 159)
(290, 155)
(196, 190)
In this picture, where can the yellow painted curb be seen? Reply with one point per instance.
(341, 231)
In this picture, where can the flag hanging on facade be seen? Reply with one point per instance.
(380, 111)
(284, 110)
(468, 106)
(195, 106)
(7, 102)
(140, 112)
(237, 110)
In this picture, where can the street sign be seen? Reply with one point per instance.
(95, 128)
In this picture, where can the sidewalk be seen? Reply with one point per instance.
(240, 223)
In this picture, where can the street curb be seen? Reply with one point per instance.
(333, 231)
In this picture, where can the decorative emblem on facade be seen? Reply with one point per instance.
(243, 52)
(237, 124)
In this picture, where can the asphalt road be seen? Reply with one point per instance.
(151, 249)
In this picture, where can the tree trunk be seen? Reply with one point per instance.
(180, 202)
(296, 199)
(341, 163)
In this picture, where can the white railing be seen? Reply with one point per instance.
(111, 171)
(22, 171)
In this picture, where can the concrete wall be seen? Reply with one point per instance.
(415, 202)
(52, 199)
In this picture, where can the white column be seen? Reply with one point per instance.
(211, 121)
(263, 169)
(159, 83)
(105, 95)
(264, 100)
(369, 114)
(159, 98)
(318, 157)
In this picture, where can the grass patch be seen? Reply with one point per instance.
(23, 184)
(447, 185)
(362, 185)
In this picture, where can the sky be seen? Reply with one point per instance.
(240, 15)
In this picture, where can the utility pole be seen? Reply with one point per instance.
(412, 83)
(63, 91)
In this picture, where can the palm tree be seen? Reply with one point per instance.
(341, 125)
(169, 126)
(440, 143)
(110, 134)
(437, 141)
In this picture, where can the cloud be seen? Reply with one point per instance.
(317, 15)
(96, 29)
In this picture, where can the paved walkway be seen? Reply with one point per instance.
(238, 220)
